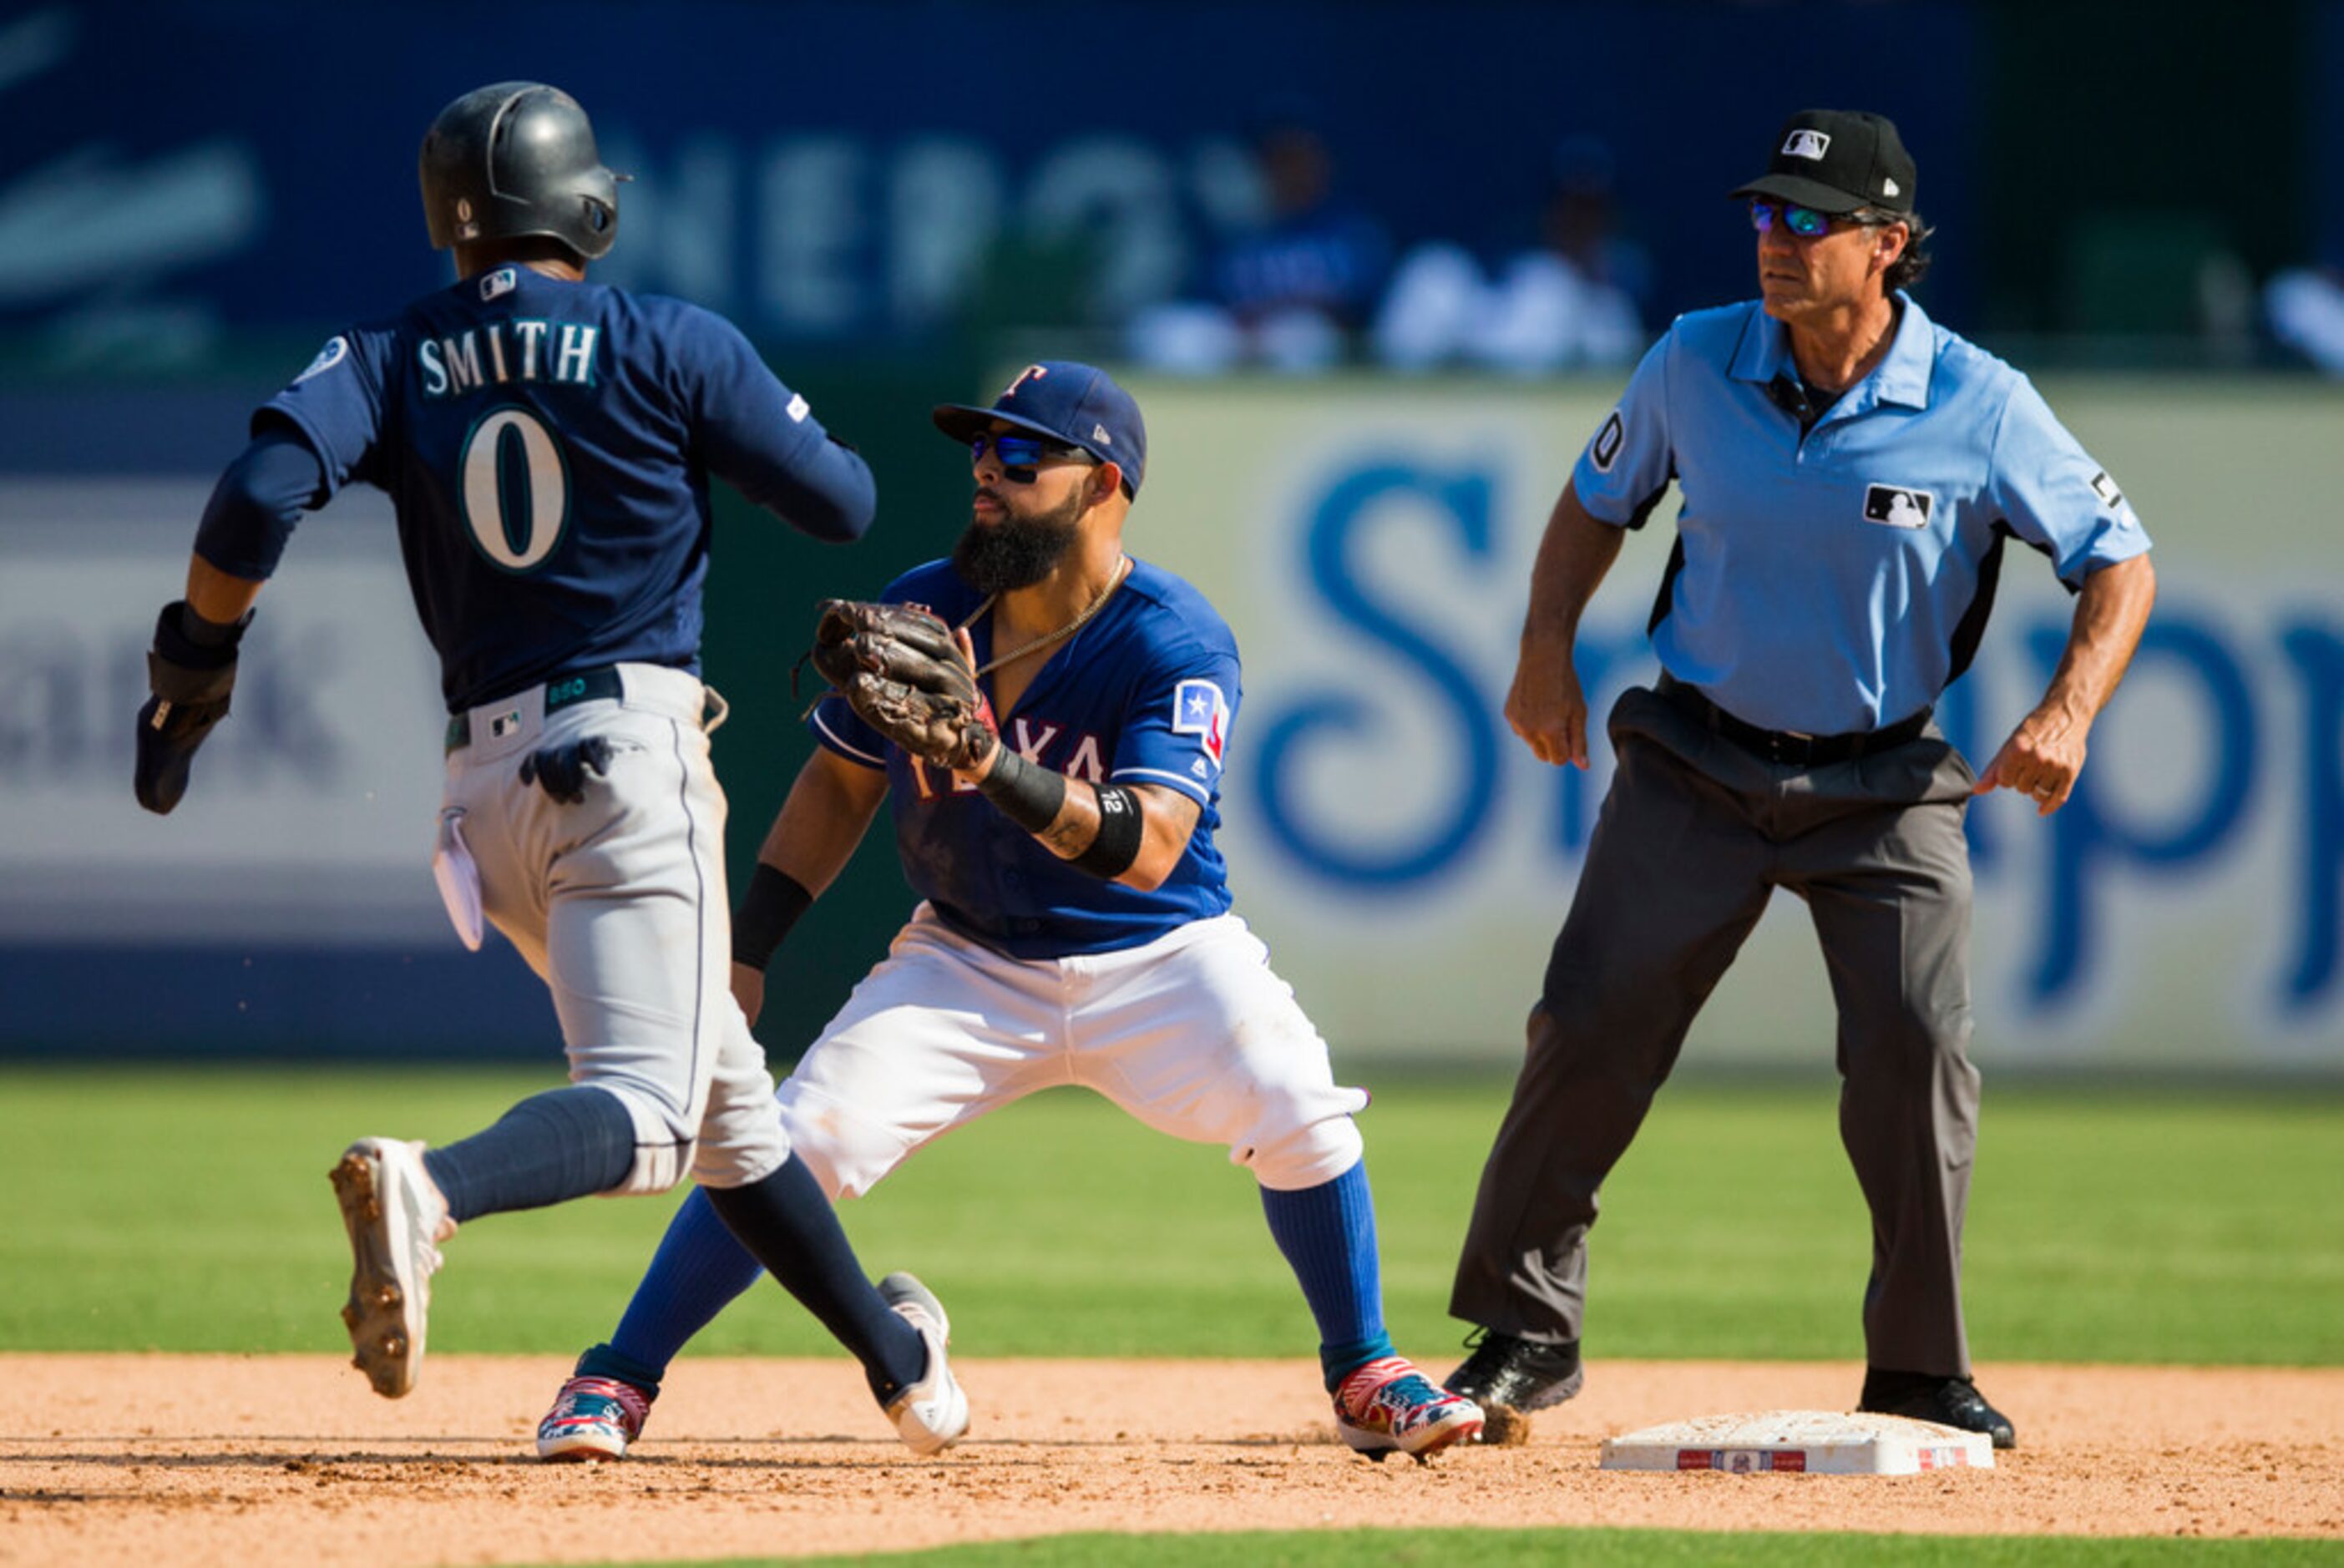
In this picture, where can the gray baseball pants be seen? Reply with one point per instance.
(1694, 838)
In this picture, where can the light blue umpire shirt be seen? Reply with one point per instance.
(1839, 580)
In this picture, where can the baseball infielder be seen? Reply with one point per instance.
(1055, 809)
(547, 444)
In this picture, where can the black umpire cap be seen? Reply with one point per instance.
(1837, 160)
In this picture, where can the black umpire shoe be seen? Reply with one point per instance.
(1949, 1402)
(1505, 1370)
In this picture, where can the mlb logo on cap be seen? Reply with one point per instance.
(1838, 160)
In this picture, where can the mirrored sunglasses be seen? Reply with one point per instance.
(1804, 221)
(1021, 456)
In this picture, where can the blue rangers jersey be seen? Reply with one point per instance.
(547, 445)
(1142, 694)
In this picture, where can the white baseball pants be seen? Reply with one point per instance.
(1192, 1034)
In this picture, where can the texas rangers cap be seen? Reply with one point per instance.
(1077, 404)
(1837, 160)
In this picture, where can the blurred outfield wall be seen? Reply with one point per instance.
(1407, 860)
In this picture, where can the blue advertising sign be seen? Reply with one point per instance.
(839, 170)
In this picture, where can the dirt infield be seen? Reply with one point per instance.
(230, 1459)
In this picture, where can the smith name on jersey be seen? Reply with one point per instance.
(1142, 694)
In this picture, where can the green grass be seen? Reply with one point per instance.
(189, 1210)
(1596, 1549)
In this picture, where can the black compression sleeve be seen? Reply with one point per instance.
(772, 906)
(1027, 793)
(208, 633)
(1121, 830)
(257, 502)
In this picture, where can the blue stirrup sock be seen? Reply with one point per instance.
(550, 1147)
(1328, 1233)
(787, 1224)
(699, 1270)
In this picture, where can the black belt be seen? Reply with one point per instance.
(561, 692)
(1791, 748)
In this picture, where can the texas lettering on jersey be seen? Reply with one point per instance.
(1032, 739)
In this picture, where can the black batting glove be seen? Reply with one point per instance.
(563, 772)
(190, 683)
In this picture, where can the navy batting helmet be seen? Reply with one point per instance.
(514, 159)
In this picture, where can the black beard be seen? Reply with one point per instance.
(1016, 552)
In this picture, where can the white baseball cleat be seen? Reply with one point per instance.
(930, 1415)
(396, 1218)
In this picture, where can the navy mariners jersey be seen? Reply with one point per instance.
(1142, 694)
(1839, 580)
(547, 445)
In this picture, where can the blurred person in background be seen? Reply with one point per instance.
(1574, 298)
(2305, 307)
(1288, 291)
(1849, 472)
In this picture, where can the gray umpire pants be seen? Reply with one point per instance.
(1694, 838)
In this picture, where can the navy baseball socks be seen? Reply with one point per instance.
(550, 1147)
(1328, 1233)
(697, 1273)
(571, 1142)
(710, 1254)
(702, 1265)
(699, 1270)
(788, 1225)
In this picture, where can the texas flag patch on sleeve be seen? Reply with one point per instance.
(1200, 708)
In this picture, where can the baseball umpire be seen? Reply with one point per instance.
(547, 442)
(1075, 926)
(1850, 473)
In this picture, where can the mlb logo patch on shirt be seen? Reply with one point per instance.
(1200, 708)
(1885, 503)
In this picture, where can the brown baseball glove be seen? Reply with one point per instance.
(898, 667)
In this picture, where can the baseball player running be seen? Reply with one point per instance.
(1054, 769)
(1850, 471)
(547, 444)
